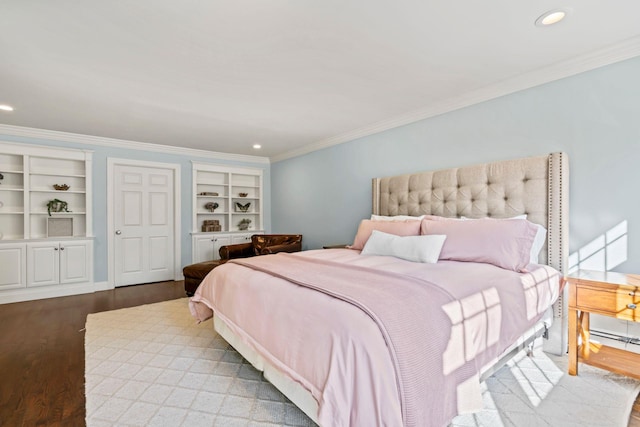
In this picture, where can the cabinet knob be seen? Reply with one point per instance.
(631, 306)
(118, 232)
(62, 248)
(631, 294)
(55, 249)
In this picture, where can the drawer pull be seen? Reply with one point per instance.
(631, 306)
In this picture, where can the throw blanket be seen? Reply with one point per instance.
(416, 339)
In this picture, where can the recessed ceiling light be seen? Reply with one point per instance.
(6, 107)
(257, 146)
(552, 17)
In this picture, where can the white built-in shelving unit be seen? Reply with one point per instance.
(238, 193)
(32, 264)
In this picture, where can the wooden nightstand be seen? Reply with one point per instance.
(608, 294)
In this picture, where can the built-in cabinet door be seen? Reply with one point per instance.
(13, 261)
(218, 242)
(203, 249)
(207, 248)
(53, 263)
(240, 238)
(74, 261)
(43, 264)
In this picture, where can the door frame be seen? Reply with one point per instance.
(112, 162)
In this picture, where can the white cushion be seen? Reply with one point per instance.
(412, 248)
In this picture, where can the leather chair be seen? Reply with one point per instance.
(261, 244)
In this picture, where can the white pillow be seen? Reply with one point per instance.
(412, 248)
(395, 218)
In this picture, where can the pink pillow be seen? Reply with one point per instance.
(504, 243)
(399, 228)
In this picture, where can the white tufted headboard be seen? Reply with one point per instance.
(536, 186)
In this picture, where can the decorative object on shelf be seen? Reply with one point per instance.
(1, 177)
(209, 225)
(243, 194)
(208, 193)
(211, 206)
(59, 227)
(244, 224)
(243, 208)
(61, 187)
(57, 205)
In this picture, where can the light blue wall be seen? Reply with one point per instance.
(100, 155)
(593, 116)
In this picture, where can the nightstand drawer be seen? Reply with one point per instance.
(620, 303)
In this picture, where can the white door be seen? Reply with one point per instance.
(143, 224)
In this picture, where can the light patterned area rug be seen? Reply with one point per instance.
(153, 366)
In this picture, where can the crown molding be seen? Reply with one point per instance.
(121, 143)
(619, 52)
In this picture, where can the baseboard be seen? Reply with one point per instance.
(102, 286)
(53, 291)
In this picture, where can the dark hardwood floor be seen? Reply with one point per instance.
(42, 352)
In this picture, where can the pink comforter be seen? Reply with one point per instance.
(391, 349)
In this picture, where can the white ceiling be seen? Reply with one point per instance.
(290, 75)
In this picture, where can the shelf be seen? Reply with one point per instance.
(58, 238)
(611, 359)
(244, 198)
(11, 213)
(212, 183)
(19, 172)
(62, 175)
(211, 197)
(7, 238)
(245, 213)
(42, 190)
(10, 188)
(58, 213)
(244, 186)
(211, 213)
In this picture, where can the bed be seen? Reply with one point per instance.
(335, 330)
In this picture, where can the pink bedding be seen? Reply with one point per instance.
(398, 348)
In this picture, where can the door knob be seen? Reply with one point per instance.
(118, 232)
